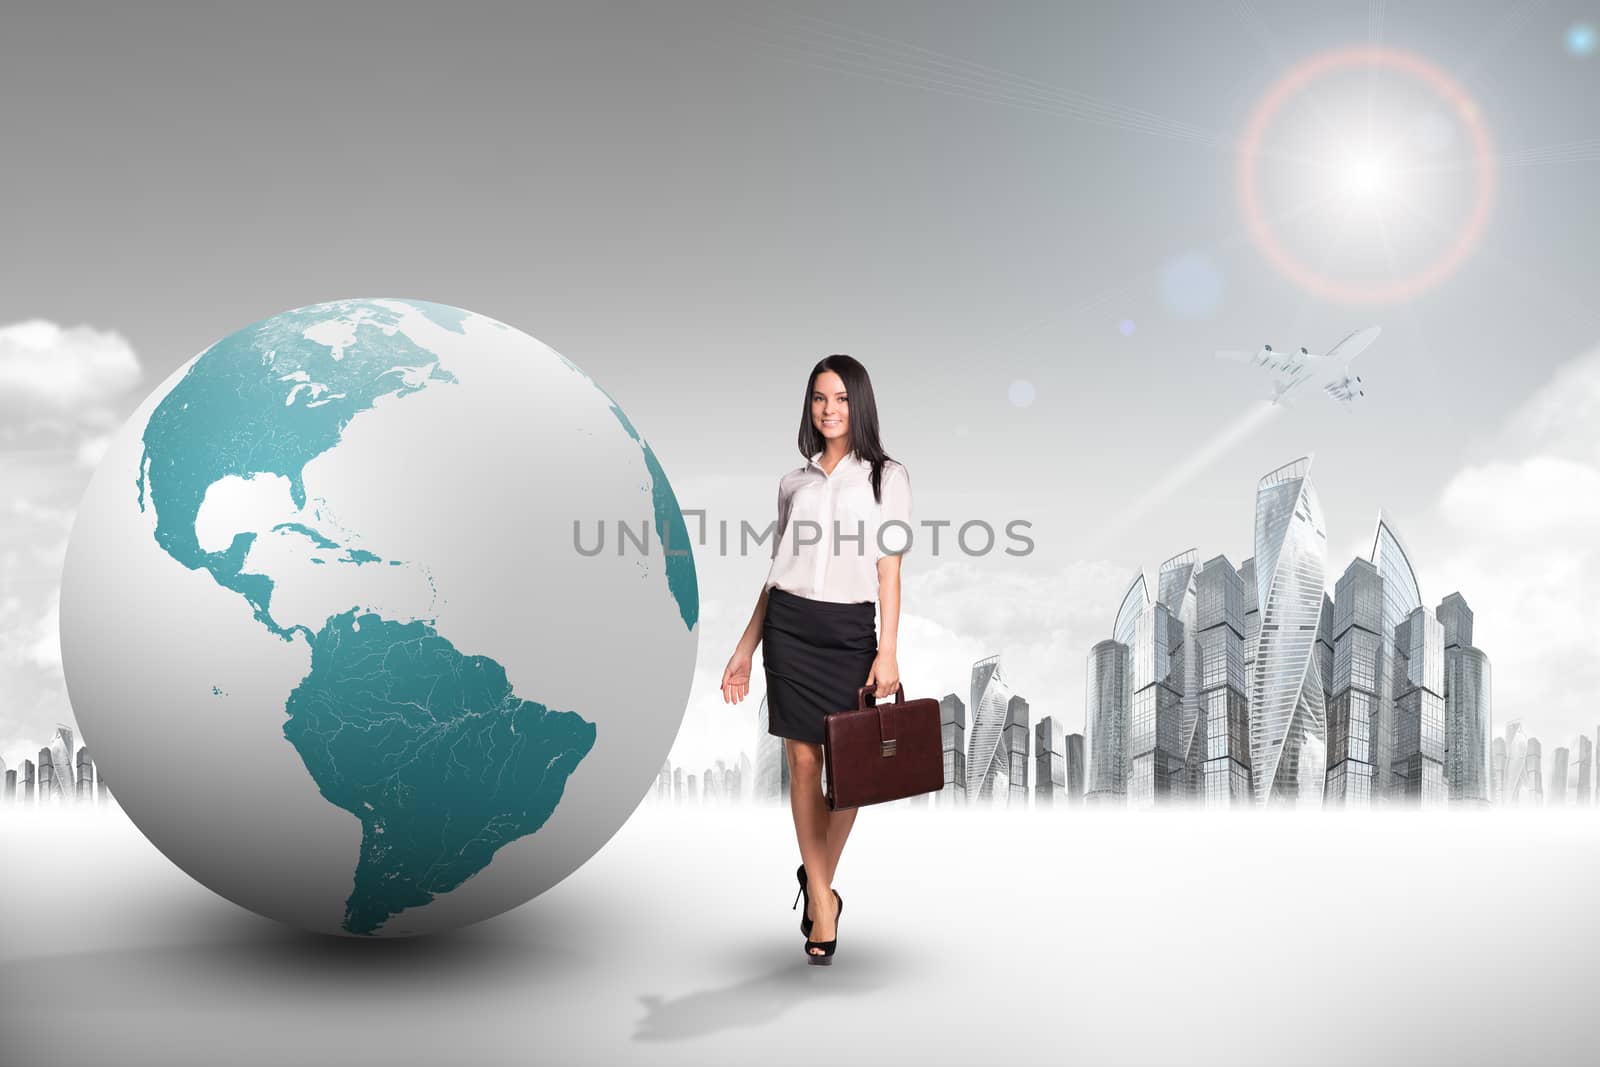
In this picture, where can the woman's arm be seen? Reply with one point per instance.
(736, 675)
(886, 668)
(753, 630)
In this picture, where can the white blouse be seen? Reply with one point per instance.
(831, 533)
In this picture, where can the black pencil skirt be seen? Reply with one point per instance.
(818, 654)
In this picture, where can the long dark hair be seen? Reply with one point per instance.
(863, 416)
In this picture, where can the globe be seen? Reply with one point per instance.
(379, 617)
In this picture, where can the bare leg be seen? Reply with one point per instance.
(820, 832)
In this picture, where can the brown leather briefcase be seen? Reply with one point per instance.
(882, 752)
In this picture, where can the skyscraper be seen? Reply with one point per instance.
(61, 757)
(1516, 766)
(1417, 761)
(1016, 747)
(1557, 794)
(1324, 649)
(1580, 771)
(1134, 601)
(1532, 795)
(1252, 623)
(1105, 724)
(1401, 596)
(11, 787)
(1075, 769)
(1050, 762)
(953, 730)
(1221, 741)
(991, 747)
(1469, 750)
(49, 792)
(1155, 708)
(1456, 618)
(85, 793)
(1352, 708)
(679, 792)
(1288, 730)
(1176, 588)
(27, 781)
(1497, 770)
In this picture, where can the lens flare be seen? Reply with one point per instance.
(1367, 175)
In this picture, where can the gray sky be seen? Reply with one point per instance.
(695, 201)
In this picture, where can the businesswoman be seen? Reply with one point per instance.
(837, 558)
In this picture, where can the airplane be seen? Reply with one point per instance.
(1330, 370)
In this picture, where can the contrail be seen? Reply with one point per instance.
(1237, 429)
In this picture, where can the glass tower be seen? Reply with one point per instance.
(1134, 601)
(953, 727)
(1015, 744)
(1532, 794)
(1468, 726)
(1175, 587)
(85, 791)
(1075, 769)
(994, 737)
(49, 791)
(1473, 756)
(1580, 770)
(1105, 725)
(1288, 732)
(1418, 758)
(1516, 764)
(1352, 707)
(1558, 777)
(1050, 762)
(61, 753)
(1497, 770)
(1401, 597)
(1220, 746)
(1155, 708)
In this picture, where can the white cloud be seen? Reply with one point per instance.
(1524, 537)
(64, 368)
(41, 643)
(91, 450)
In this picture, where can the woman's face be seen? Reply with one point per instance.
(830, 407)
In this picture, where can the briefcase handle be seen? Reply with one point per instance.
(865, 693)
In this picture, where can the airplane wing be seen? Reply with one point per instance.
(1355, 344)
(1291, 363)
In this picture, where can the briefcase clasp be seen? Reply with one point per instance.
(886, 748)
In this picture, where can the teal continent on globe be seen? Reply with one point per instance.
(426, 745)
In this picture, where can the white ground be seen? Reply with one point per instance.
(969, 937)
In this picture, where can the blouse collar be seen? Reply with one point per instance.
(850, 458)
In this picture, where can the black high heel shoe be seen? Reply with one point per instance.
(825, 958)
(805, 920)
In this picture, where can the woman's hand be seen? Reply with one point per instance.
(885, 675)
(736, 677)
